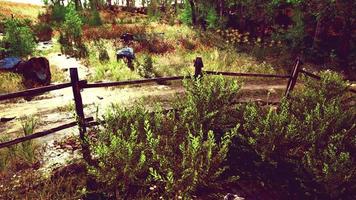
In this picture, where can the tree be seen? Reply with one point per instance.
(72, 24)
(19, 38)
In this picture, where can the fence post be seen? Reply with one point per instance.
(80, 114)
(198, 64)
(293, 78)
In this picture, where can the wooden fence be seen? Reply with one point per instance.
(77, 85)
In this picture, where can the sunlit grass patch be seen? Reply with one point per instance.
(20, 10)
(171, 32)
(108, 70)
(10, 82)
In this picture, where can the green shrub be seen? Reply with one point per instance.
(308, 140)
(19, 38)
(94, 18)
(72, 25)
(153, 155)
(146, 69)
(101, 48)
(212, 18)
(208, 102)
(185, 15)
(58, 13)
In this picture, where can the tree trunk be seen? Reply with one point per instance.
(343, 51)
(78, 4)
(194, 17)
(221, 9)
(175, 6)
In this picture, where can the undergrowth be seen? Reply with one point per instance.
(23, 155)
(172, 155)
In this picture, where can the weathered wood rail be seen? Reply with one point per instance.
(77, 85)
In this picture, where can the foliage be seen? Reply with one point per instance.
(212, 19)
(19, 38)
(94, 18)
(146, 69)
(185, 15)
(208, 102)
(71, 34)
(172, 155)
(307, 140)
(101, 48)
(72, 25)
(23, 155)
(294, 36)
(58, 13)
(109, 69)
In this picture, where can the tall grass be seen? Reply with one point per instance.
(23, 155)
(10, 82)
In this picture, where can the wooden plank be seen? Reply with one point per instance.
(198, 65)
(41, 134)
(76, 87)
(293, 78)
(247, 74)
(34, 92)
(132, 82)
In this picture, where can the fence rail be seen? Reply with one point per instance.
(42, 133)
(34, 92)
(133, 82)
(247, 74)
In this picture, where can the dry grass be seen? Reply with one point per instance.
(10, 82)
(110, 17)
(20, 10)
(111, 31)
(57, 75)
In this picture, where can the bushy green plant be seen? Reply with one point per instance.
(95, 19)
(27, 148)
(103, 53)
(72, 25)
(152, 154)
(208, 102)
(71, 34)
(146, 69)
(212, 18)
(308, 140)
(58, 13)
(185, 15)
(19, 38)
